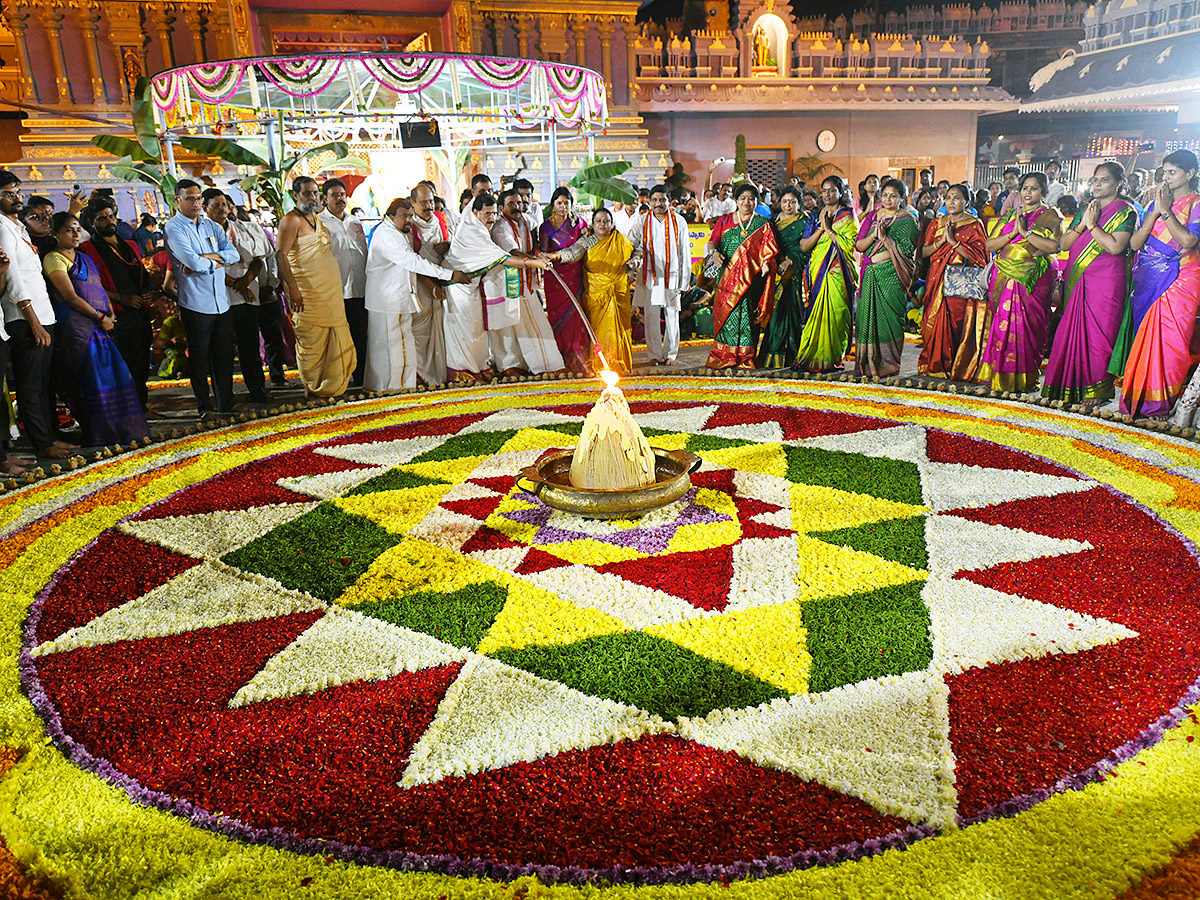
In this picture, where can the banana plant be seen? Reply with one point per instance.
(140, 159)
(599, 180)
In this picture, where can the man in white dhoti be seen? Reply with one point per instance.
(492, 270)
(521, 337)
(430, 234)
(661, 236)
(393, 265)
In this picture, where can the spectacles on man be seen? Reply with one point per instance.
(11, 195)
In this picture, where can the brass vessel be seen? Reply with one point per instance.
(549, 479)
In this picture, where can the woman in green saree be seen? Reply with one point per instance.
(830, 279)
(888, 250)
(781, 337)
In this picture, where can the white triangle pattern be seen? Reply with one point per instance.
(330, 485)
(343, 647)
(764, 571)
(759, 432)
(885, 741)
(637, 606)
(955, 544)
(495, 715)
(213, 534)
(386, 453)
(974, 626)
(955, 486)
(689, 420)
(508, 419)
(902, 442)
(205, 596)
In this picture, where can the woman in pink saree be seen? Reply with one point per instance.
(558, 232)
(1097, 282)
(1168, 271)
(1020, 290)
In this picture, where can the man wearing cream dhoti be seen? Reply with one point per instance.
(429, 234)
(666, 270)
(324, 349)
(471, 307)
(520, 334)
(393, 302)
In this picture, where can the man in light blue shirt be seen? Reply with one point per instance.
(199, 251)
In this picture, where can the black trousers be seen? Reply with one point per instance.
(31, 372)
(4, 354)
(133, 334)
(270, 326)
(210, 349)
(356, 318)
(245, 331)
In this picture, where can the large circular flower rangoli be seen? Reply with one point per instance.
(863, 627)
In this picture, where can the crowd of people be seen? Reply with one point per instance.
(1099, 292)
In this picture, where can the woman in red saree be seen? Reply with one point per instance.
(745, 293)
(953, 328)
(558, 232)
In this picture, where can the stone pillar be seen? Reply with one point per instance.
(239, 21)
(629, 26)
(524, 32)
(87, 13)
(579, 29)
(161, 19)
(51, 15)
(464, 37)
(128, 42)
(190, 13)
(17, 17)
(605, 26)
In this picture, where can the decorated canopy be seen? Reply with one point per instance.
(367, 98)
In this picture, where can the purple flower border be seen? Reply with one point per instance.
(549, 874)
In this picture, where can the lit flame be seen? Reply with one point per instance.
(610, 378)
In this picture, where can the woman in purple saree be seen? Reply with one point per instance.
(104, 399)
(1096, 285)
(558, 232)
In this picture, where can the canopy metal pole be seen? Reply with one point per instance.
(553, 156)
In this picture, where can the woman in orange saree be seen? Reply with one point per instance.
(953, 328)
(1164, 350)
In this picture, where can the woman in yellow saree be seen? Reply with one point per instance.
(830, 280)
(606, 292)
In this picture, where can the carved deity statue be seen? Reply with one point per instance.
(762, 46)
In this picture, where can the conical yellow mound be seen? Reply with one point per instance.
(612, 453)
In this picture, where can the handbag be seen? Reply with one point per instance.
(712, 268)
(968, 282)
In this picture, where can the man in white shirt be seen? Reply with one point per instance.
(241, 287)
(29, 326)
(392, 301)
(661, 237)
(429, 233)
(621, 217)
(349, 242)
(531, 207)
(518, 330)
(1056, 188)
(719, 205)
